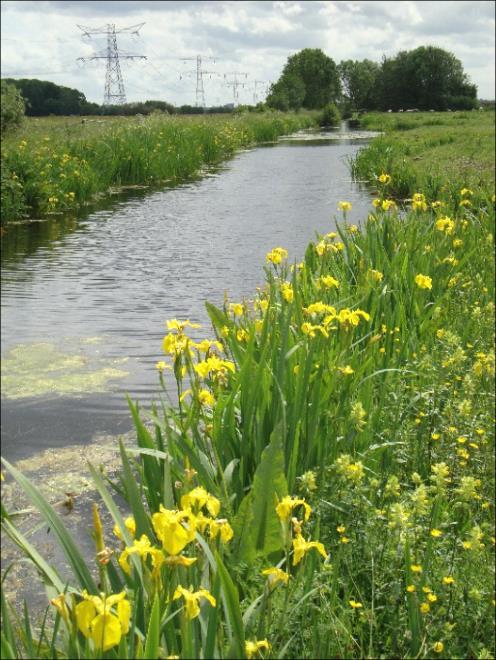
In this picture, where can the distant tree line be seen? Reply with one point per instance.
(427, 78)
(42, 98)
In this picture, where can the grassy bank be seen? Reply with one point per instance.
(55, 165)
(326, 486)
(430, 151)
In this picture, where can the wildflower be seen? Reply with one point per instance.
(341, 529)
(435, 436)
(465, 202)
(301, 547)
(192, 600)
(440, 475)
(355, 604)
(206, 398)
(352, 471)
(60, 604)
(376, 202)
(344, 206)
(344, 539)
(352, 229)
(384, 178)
(97, 621)
(457, 243)
(287, 292)
(175, 529)
(445, 225)
(198, 498)
(275, 575)
(388, 204)
(277, 255)
(161, 366)
(308, 481)
(464, 192)
(347, 370)
(411, 588)
(376, 275)
(425, 608)
(448, 579)
(288, 503)
(252, 648)
(179, 326)
(438, 647)
(467, 489)
(423, 281)
(329, 282)
(418, 202)
(179, 560)
(392, 486)
(416, 568)
(432, 598)
(130, 525)
(358, 415)
(436, 533)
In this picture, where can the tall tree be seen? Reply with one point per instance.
(309, 80)
(359, 80)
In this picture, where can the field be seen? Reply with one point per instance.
(325, 486)
(54, 166)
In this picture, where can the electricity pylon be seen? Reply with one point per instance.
(255, 94)
(114, 84)
(200, 91)
(235, 83)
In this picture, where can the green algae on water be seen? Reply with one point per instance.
(39, 369)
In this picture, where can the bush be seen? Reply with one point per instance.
(12, 106)
(330, 116)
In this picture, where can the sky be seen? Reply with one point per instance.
(244, 41)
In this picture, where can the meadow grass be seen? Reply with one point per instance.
(56, 165)
(327, 477)
(430, 151)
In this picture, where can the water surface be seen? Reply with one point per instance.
(99, 288)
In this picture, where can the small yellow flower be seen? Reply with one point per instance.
(277, 255)
(344, 539)
(276, 575)
(344, 206)
(423, 281)
(301, 547)
(253, 648)
(192, 600)
(431, 598)
(435, 436)
(411, 588)
(341, 529)
(436, 533)
(425, 608)
(438, 647)
(384, 178)
(448, 579)
(416, 568)
(347, 370)
(355, 604)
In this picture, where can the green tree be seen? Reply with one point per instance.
(12, 106)
(359, 80)
(309, 80)
(425, 78)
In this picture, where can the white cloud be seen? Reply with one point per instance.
(249, 36)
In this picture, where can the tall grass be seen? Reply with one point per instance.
(340, 425)
(54, 171)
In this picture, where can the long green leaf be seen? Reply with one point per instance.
(70, 548)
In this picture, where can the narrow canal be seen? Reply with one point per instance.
(84, 301)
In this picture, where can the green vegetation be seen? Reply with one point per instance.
(55, 165)
(430, 151)
(330, 116)
(309, 80)
(325, 486)
(427, 78)
(11, 107)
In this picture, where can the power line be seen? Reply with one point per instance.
(114, 84)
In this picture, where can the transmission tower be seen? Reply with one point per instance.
(200, 91)
(114, 84)
(235, 83)
(255, 94)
